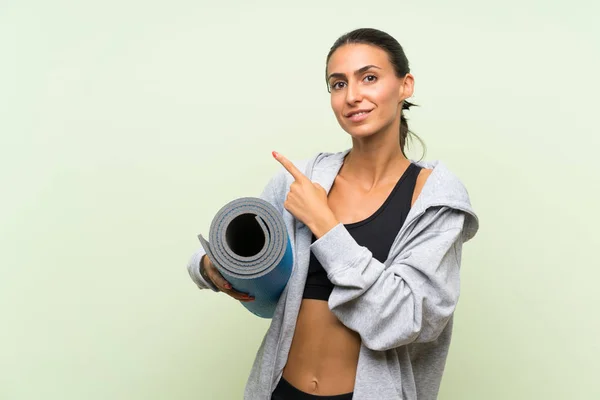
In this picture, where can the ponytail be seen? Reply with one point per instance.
(404, 131)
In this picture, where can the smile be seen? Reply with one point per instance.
(360, 116)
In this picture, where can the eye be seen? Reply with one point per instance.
(336, 86)
(374, 78)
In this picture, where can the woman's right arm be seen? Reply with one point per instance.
(274, 193)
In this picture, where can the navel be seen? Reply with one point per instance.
(314, 385)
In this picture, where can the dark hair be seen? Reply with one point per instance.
(396, 56)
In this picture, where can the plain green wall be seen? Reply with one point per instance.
(125, 125)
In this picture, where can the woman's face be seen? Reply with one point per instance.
(361, 77)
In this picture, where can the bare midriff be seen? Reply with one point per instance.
(324, 353)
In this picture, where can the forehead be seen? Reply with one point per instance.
(350, 57)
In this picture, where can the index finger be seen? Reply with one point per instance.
(289, 166)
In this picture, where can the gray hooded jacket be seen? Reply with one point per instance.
(402, 308)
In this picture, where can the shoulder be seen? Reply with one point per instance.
(423, 176)
(442, 188)
(441, 185)
(421, 179)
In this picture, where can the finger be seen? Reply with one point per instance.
(218, 279)
(225, 286)
(215, 276)
(242, 297)
(289, 166)
(239, 296)
(233, 292)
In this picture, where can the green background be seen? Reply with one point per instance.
(125, 125)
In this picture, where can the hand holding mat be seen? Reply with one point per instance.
(211, 275)
(249, 245)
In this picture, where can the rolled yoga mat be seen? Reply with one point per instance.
(249, 245)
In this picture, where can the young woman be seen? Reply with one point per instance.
(367, 312)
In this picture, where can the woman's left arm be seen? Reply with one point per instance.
(409, 301)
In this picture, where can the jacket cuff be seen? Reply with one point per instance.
(193, 268)
(337, 250)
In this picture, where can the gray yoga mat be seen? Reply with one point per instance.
(249, 244)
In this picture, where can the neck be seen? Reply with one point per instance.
(375, 159)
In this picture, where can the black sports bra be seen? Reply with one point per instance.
(377, 232)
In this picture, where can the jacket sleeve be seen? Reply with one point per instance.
(413, 298)
(269, 194)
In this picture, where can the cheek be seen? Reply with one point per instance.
(387, 100)
(385, 96)
(337, 105)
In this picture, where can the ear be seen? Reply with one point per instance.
(407, 87)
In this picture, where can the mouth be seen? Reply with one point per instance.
(359, 115)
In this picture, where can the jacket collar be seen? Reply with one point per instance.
(442, 188)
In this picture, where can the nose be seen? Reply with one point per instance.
(353, 94)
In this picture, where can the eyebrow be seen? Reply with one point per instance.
(357, 72)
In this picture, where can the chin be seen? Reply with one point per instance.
(359, 132)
